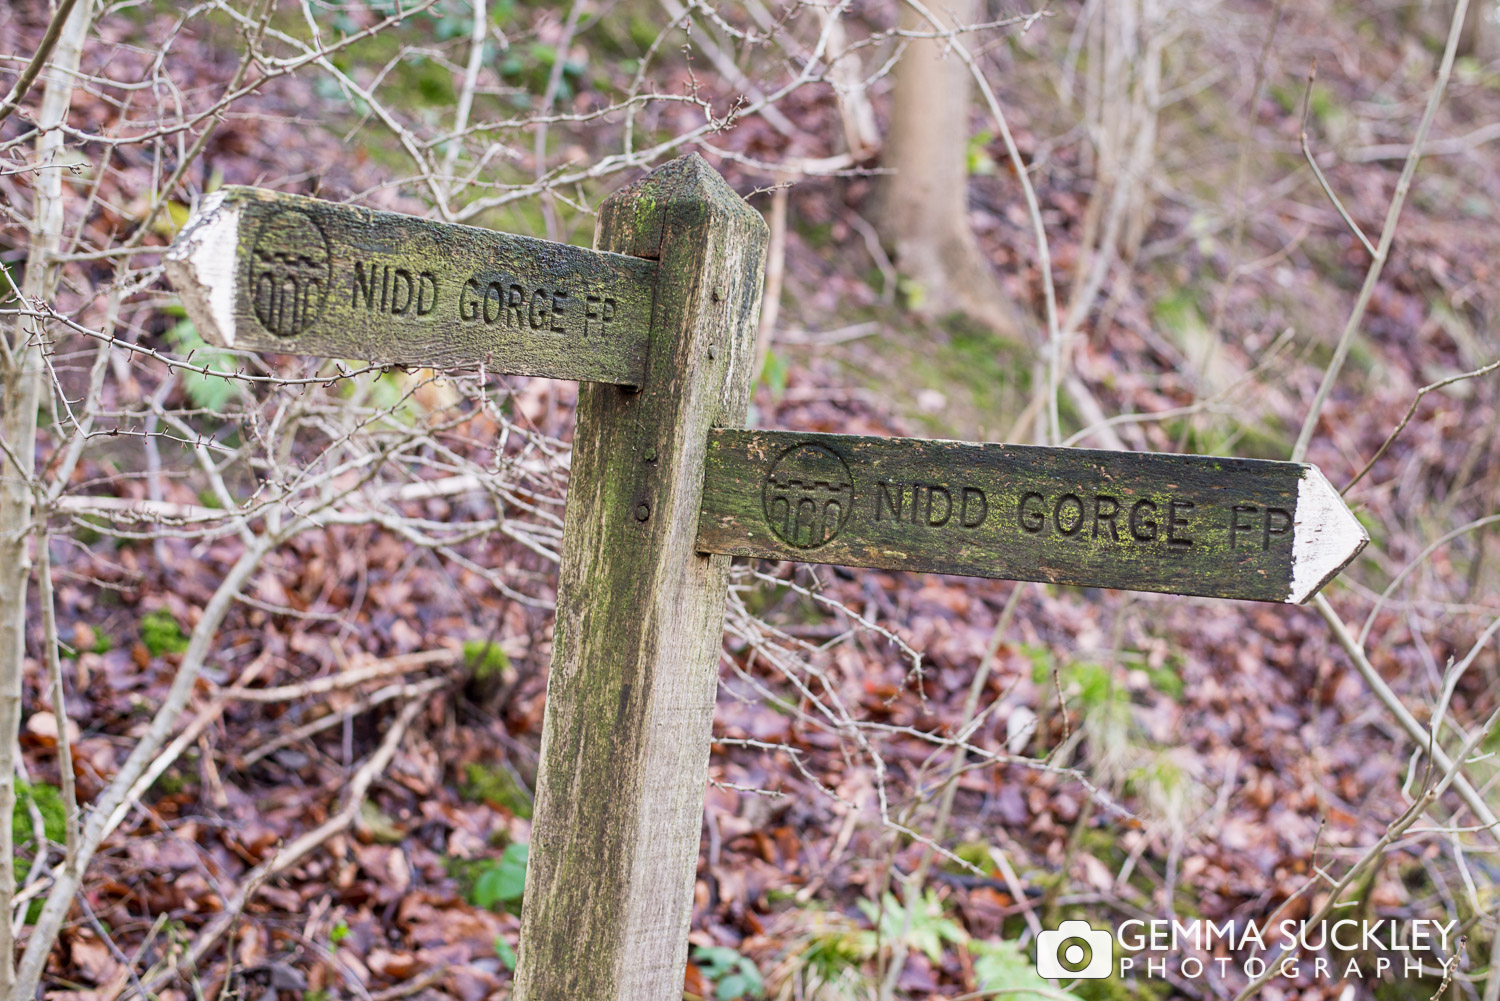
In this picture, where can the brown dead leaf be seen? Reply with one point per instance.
(396, 965)
(92, 960)
(41, 729)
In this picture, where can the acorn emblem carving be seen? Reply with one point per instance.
(291, 268)
(807, 496)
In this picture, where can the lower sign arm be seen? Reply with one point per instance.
(1183, 524)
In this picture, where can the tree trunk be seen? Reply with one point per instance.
(21, 368)
(1481, 34)
(922, 208)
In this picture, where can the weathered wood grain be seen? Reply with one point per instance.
(1184, 524)
(264, 271)
(640, 613)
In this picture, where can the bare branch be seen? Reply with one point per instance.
(22, 86)
(1387, 236)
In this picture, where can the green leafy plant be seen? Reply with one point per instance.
(912, 292)
(498, 785)
(49, 804)
(1004, 968)
(488, 673)
(1166, 680)
(980, 163)
(502, 881)
(506, 953)
(338, 933)
(1093, 680)
(826, 957)
(210, 392)
(487, 659)
(102, 644)
(773, 373)
(978, 854)
(161, 634)
(836, 951)
(733, 975)
(531, 68)
(925, 929)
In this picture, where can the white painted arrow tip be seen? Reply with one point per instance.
(200, 264)
(1325, 535)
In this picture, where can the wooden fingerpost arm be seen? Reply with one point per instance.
(640, 613)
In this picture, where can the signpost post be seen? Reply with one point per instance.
(659, 325)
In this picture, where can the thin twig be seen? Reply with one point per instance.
(549, 97)
(1403, 716)
(59, 702)
(109, 943)
(1428, 550)
(1451, 965)
(346, 679)
(293, 853)
(478, 33)
(1312, 75)
(1410, 411)
(28, 76)
(1387, 237)
(364, 705)
(1392, 832)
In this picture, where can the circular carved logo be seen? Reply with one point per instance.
(291, 268)
(808, 495)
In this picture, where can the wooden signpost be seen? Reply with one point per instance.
(659, 326)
